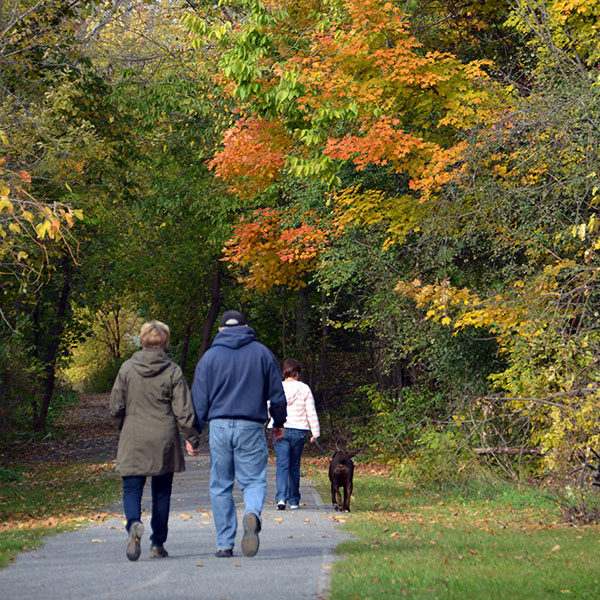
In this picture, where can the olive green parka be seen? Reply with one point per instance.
(149, 398)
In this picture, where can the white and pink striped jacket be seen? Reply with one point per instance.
(301, 411)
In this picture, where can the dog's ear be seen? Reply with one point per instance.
(353, 453)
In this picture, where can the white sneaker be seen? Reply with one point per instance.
(293, 506)
(281, 505)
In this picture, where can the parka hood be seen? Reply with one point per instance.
(149, 362)
(235, 337)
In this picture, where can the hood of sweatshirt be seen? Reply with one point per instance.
(150, 361)
(234, 337)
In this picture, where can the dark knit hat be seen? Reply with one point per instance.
(232, 318)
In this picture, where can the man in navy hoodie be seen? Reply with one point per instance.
(233, 382)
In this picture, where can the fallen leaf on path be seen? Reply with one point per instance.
(184, 516)
(95, 541)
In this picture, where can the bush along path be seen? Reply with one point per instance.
(294, 559)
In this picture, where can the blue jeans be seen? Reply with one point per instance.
(238, 448)
(133, 486)
(288, 452)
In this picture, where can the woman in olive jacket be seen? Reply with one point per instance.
(149, 398)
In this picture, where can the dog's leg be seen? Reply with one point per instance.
(338, 498)
(347, 494)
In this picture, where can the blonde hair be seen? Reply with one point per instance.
(155, 334)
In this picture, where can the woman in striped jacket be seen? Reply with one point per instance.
(301, 418)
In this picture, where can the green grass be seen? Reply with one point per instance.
(493, 541)
(44, 499)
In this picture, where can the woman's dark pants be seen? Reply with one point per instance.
(133, 486)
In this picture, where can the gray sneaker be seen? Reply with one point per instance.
(250, 540)
(158, 552)
(136, 531)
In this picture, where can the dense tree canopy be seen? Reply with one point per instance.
(403, 195)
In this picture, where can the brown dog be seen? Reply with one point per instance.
(341, 474)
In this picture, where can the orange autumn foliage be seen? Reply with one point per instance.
(253, 153)
(272, 253)
(350, 85)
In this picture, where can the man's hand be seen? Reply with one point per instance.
(190, 449)
(278, 433)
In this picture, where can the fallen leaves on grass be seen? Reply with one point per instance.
(47, 522)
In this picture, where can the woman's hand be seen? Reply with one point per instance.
(190, 449)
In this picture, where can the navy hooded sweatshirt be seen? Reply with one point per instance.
(235, 379)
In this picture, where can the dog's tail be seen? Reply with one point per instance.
(353, 453)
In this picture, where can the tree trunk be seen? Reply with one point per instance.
(216, 300)
(324, 336)
(117, 335)
(185, 347)
(509, 450)
(301, 323)
(283, 322)
(54, 339)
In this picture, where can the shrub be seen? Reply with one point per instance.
(102, 378)
(19, 375)
(440, 458)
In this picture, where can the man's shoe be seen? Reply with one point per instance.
(281, 505)
(293, 507)
(136, 531)
(158, 552)
(250, 540)
(224, 553)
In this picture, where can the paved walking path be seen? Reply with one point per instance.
(293, 562)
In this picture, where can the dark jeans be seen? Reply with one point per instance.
(133, 486)
(288, 452)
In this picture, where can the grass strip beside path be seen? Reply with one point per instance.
(48, 498)
(492, 542)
